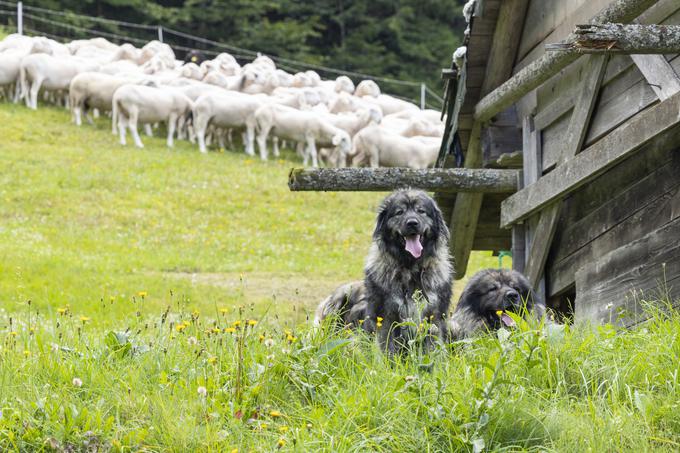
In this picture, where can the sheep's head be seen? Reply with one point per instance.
(342, 142)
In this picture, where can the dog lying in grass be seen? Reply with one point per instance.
(408, 274)
(486, 300)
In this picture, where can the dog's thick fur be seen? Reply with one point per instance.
(395, 270)
(347, 305)
(487, 297)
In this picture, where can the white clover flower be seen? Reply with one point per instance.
(202, 391)
(192, 340)
(77, 382)
(269, 342)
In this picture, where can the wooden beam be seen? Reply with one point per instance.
(621, 39)
(593, 161)
(549, 64)
(448, 180)
(465, 213)
(573, 142)
(659, 74)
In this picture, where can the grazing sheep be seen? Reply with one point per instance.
(231, 110)
(147, 104)
(367, 88)
(385, 148)
(300, 126)
(10, 64)
(49, 72)
(94, 90)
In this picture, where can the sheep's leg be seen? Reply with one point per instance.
(276, 147)
(300, 149)
(172, 124)
(250, 138)
(311, 145)
(262, 143)
(181, 128)
(76, 115)
(147, 130)
(132, 124)
(220, 139)
(33, 94)
(200, 125)
(374, 157)
(121, 129)
(230, 138)
(89, 117)
(96, 113)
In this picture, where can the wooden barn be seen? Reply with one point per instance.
(565, 118)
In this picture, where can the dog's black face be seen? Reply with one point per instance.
(492, 293)
(410, 224)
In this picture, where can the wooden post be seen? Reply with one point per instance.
(466, 210)
(549, 64)
(449, 180)
(20, 18)
(621, 39)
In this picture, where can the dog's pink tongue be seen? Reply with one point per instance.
(507, 320)
(413, 245)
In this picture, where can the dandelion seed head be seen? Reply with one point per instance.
(77, 382)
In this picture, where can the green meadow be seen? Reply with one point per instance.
(158, 300)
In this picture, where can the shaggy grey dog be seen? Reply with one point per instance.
(408, 275)
(487, 298)
(408, 272)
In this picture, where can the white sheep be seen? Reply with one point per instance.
(385, 148)
(232, 110)
(94, 90)
(148, 104)
(49, 72)
(367, 88)
(301, 126)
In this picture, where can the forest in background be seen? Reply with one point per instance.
(403, 39)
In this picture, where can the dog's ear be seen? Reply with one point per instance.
(438, 218)
(380, 221)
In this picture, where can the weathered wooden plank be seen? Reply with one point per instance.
(626, 39)
(610, 289)
(385, 179)
(659, 74)
(580, 229)
(593, 161)
(662, 210)
(556, 97)
(548, 65)
(573, 141)
(518, 248)
(654, 15)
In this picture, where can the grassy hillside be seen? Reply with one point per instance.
(85, 220)
(155, 300)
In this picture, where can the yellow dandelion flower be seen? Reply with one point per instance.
(281, 443)
(180, 327)
(142, 294)
(195, 314)
(234, 450)
(283, 429)
(84, 319)
(236, 323)
(275, 414)
(62, 311)
(224, 310)
(13, 333)
(27, 353)
(361, 321)
(216, 330)
(499, 312)
(261, 338)
(112, 298)
(263, 426)
(252, 322)
(379, 323)
(380, 319)
(212, 360)
(230, 330)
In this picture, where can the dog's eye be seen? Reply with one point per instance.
(421, 211)
(399, 212)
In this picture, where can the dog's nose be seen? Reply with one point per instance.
(412, 223)
(512, 296)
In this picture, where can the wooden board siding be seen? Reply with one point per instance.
(612, 288)
(634, 198)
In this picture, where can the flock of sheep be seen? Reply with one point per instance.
(331, 121)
